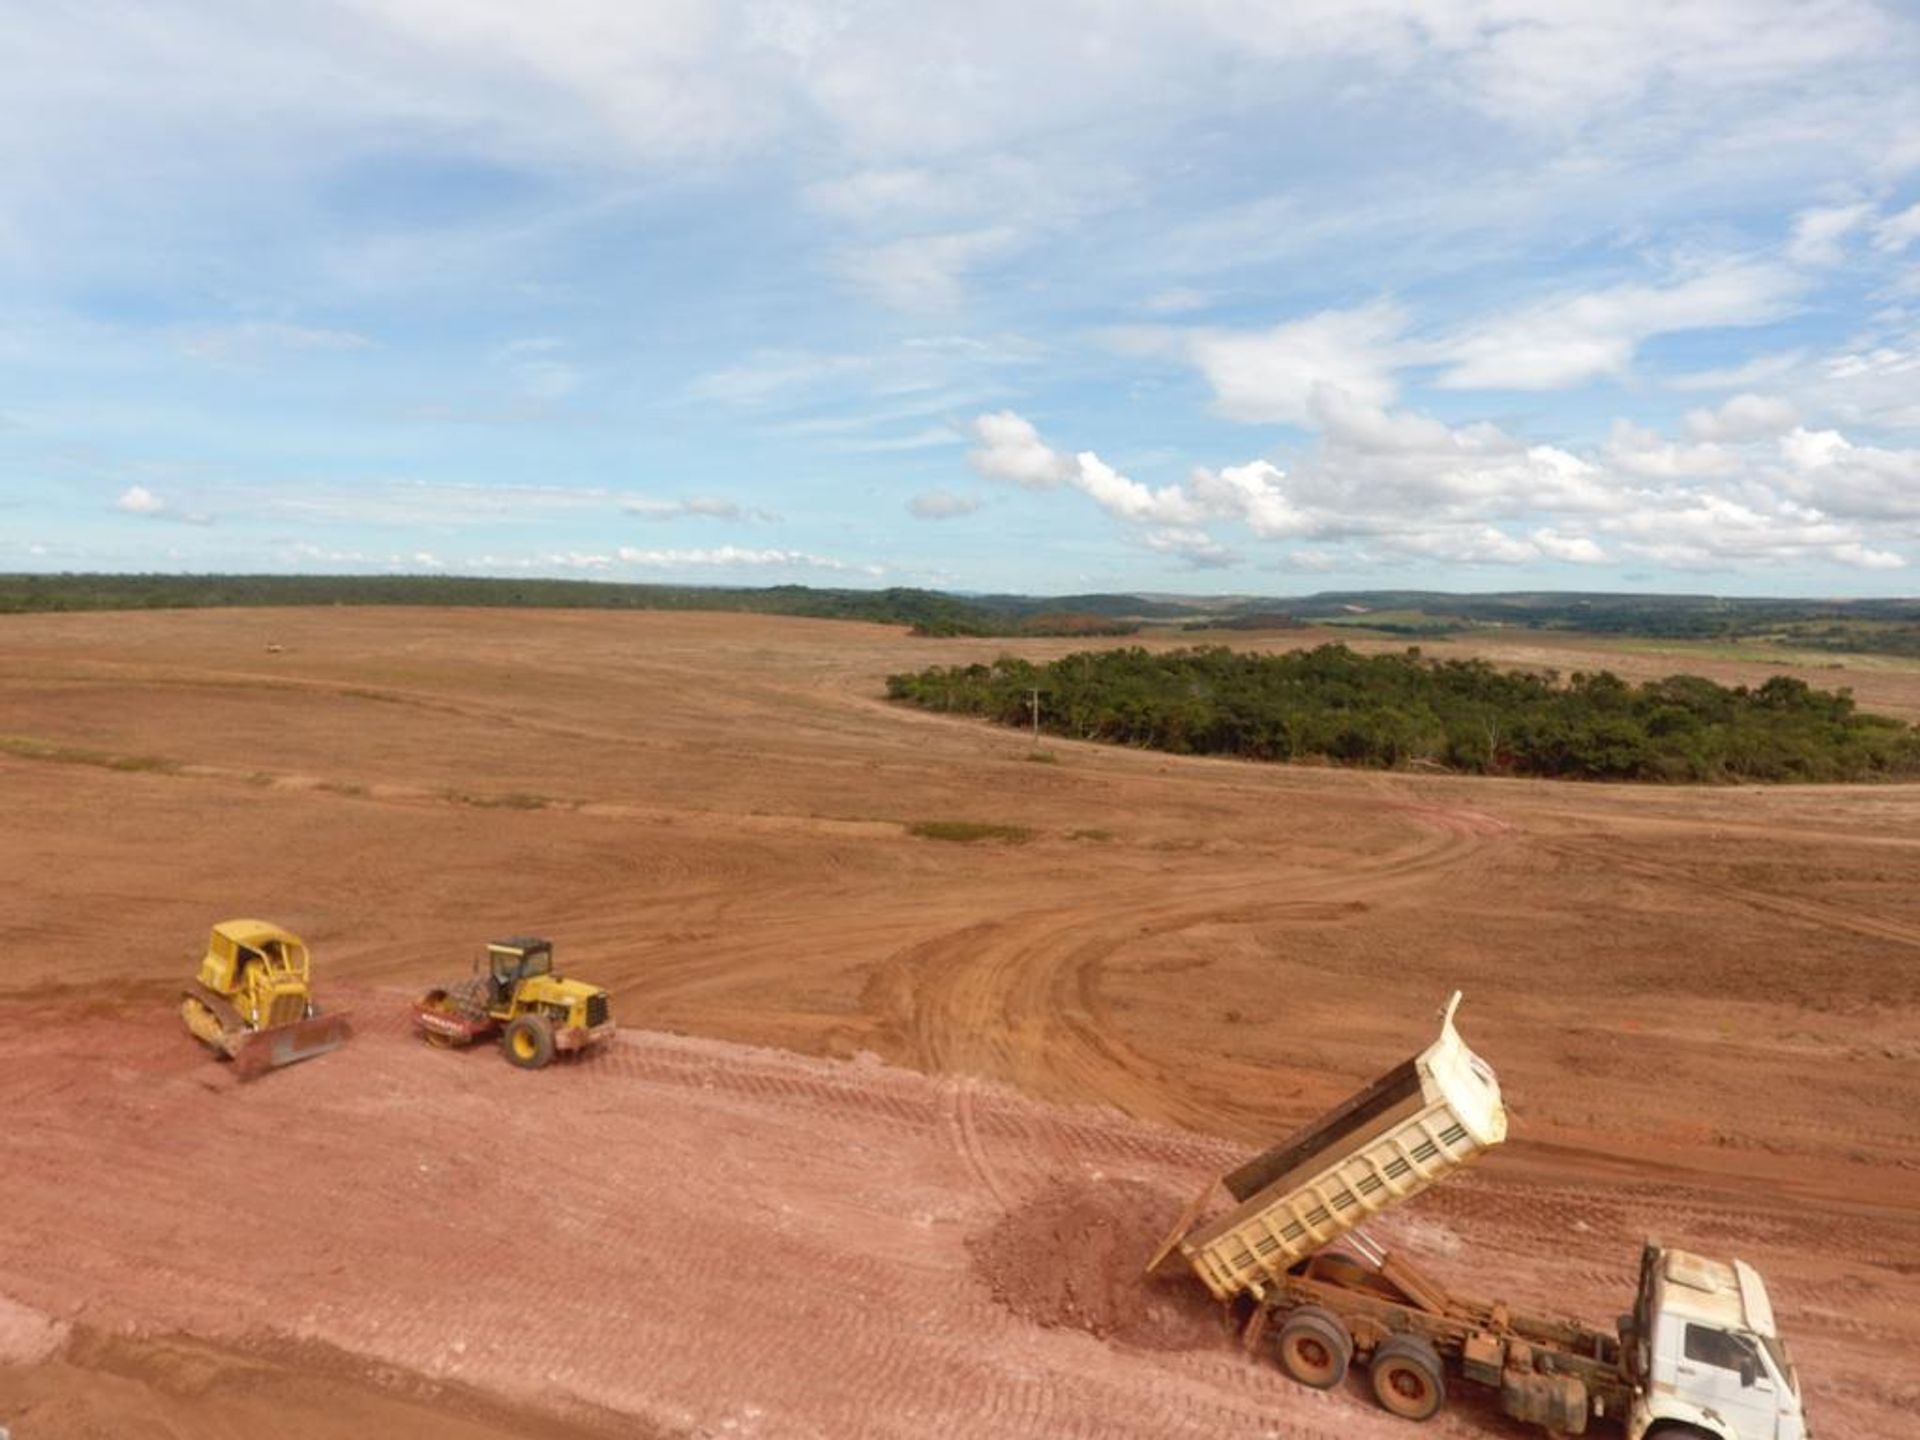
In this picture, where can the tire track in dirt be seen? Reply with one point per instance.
(750, 1242)
(1019, 998)
(1695, 881)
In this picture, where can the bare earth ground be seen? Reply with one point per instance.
(1702, 1004)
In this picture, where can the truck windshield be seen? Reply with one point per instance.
(1777, 1352)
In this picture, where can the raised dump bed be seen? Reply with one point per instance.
(1422, 1120)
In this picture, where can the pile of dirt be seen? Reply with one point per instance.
(1072, 1258)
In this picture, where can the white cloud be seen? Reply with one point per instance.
(138, 500)
(1567, 341)
(775, 375)
(1744, 417)
(925, 272)
(734, 557)
(1817, 233)
(1825, 469)
(1197, 548)
(1648, 455)
(1896, 232)
(1572, 549)
(254, 339)
(1254, 493)
(942, 504)
(1766, 369)
(698, 507)
(1011, 449)
(1408, 488)
(1274, 375)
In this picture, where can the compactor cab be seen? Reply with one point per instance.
(508, 962)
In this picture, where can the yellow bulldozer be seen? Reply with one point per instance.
(252, 1000)
(514, 993)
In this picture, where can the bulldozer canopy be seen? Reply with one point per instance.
(257, 934)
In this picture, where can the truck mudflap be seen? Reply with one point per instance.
(569, 1039)
(259, 1051)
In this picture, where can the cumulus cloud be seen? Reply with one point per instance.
(1637, 451)
(1386, 486)
(138, 500)
(1824, 468)
(1572, 549)
(941, 504)
(1744, 417)
(1011, 449)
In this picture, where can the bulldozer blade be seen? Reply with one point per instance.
(266, 1050)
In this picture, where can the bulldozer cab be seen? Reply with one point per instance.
(509, 962)
(279, 958)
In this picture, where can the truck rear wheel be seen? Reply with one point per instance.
(1315, 1348)
(528, 1042)
(1407, 1377)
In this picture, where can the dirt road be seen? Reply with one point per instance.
(1702, 1005)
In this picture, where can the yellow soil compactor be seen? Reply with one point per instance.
(252, 1000)
(514, 993)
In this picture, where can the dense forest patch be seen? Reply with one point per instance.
(1390, 711)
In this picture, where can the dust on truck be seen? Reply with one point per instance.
(1697, 1358)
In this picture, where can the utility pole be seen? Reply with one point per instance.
(1033, 697)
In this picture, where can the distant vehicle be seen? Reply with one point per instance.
(252, 999)
(1698, 1357)
(515, 994)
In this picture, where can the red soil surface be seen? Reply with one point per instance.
(1702, 1004)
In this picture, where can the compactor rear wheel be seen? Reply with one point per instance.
(1315, 1347)
(1407, 1377)
(528, 1042)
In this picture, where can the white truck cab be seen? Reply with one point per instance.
(1711, 1361)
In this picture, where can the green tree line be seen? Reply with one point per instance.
(1333, 704)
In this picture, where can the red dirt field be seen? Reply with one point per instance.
(889, 1116)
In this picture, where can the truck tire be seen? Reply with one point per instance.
(528, 1042)
(1407, 1377)
(1315, 1347)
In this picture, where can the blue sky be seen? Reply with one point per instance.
(1208, 296)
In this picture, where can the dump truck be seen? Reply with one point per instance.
(515, 994)
(1698, 1357)
(251, 1001)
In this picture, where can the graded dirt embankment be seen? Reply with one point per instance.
(1704, 1006)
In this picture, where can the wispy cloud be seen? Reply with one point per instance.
(942, 504)
(255, 339)
(698, 507)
